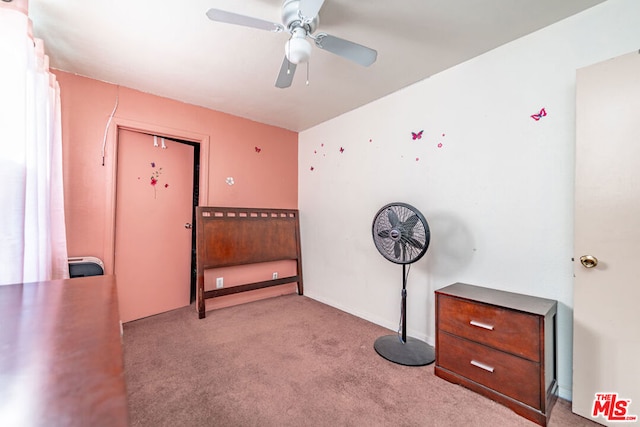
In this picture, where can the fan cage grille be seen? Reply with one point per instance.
(401, 233)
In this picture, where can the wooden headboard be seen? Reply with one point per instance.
(238, 236)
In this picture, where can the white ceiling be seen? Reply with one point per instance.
(171, 48)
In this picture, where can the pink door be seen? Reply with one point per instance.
(154, 203)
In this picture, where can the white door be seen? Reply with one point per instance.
(606, 318)
(154, 202)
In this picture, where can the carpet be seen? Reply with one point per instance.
(289, 361)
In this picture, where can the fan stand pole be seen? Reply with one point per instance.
(403, 350)
(403, 304)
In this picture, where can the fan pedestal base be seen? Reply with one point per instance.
(411, 353)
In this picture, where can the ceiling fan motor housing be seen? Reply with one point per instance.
(291, 17)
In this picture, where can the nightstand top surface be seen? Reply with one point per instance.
(515, 301)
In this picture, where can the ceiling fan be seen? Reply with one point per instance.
(300, 19)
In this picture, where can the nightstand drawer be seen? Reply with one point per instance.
(513, 376)
(507, 330)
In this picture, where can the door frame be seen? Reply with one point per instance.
(110, 163)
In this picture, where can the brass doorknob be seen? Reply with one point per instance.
(589, 261)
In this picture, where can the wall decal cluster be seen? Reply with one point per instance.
(315, 152)
(420, 136)
(155, 178)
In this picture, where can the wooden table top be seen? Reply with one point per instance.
(61, 358)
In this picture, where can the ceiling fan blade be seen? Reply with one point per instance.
(310, 8)
(353, 51)
(246, 21)
(285, 77)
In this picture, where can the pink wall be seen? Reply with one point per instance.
(19, 5)
(265, 179)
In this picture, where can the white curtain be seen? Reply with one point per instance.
(33, 243)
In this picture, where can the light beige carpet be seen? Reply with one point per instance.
(290, 361)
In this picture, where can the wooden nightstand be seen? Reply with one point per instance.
(499, 344)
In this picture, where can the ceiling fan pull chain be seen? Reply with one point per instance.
(307, 73)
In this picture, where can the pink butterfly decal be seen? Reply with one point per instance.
(538, 116)
(440, 145)
(417, 159)
(418, 135)
(166, 186)
(258, 149)
(341, 150)
(312, 168)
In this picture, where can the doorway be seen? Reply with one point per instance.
(197, 195)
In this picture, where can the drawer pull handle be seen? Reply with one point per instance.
(481, 325)
(482, 366)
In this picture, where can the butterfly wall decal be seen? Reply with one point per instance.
(258, 149)
(341, 150)
(417, 135)
(539, 115)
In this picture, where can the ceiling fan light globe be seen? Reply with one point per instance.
(298, 50)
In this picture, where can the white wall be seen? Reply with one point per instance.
(498, 194)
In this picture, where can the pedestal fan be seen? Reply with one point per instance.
(401, 234)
